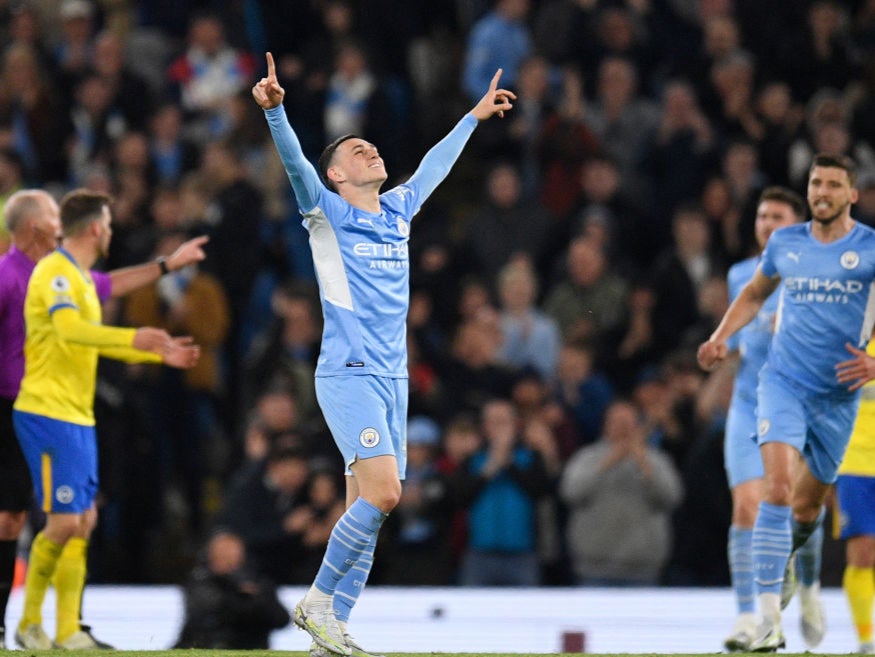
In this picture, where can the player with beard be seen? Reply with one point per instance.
(808, 390)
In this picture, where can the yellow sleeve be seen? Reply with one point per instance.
(130, 355)
(70, 326)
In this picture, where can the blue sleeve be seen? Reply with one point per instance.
(767, 261)
(441, 157)
(303, 176)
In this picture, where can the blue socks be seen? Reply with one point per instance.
(740, 550)
(772, 542)
(354, 535)
(350, 585)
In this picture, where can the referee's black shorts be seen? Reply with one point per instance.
(16, 490)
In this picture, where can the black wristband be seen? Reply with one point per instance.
(162, 264)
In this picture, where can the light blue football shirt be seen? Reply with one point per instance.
(752, 341)
(361, 259)
(826, 300)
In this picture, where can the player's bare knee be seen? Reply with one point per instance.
(387, 498)
(61, 527)
(860, 552)
(867, 555)
(808, 502)
(778, 492)
(744, 515)
(392, 501)
(745, 503)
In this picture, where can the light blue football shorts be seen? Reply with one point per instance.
(741, 454)
(367, 416)
(818, 425)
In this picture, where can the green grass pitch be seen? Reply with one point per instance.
(286, 653)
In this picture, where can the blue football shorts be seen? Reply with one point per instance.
(741, 454)
(62, 459)
(856, 505)
(367, 416)
(818, 425)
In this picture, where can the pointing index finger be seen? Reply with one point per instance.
(271, 67)
(494, 84)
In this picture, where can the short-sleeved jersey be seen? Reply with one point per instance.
(860, 456)
(752, 341)
(826, 301)
(59, 375)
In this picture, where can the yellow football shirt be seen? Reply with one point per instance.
(63, 340)
(860, 456)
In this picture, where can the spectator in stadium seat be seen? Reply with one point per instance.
(530, 337)
(500, 487)
(620, 493)
(207, 75)
(589, 298)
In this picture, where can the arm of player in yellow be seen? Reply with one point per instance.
(111, 341)
(71, 327)
(130, 355)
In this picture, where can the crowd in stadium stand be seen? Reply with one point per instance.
(567, 269)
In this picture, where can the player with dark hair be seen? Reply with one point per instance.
(53, 414)
(777, 207)
(808, 389)
(359, 241)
